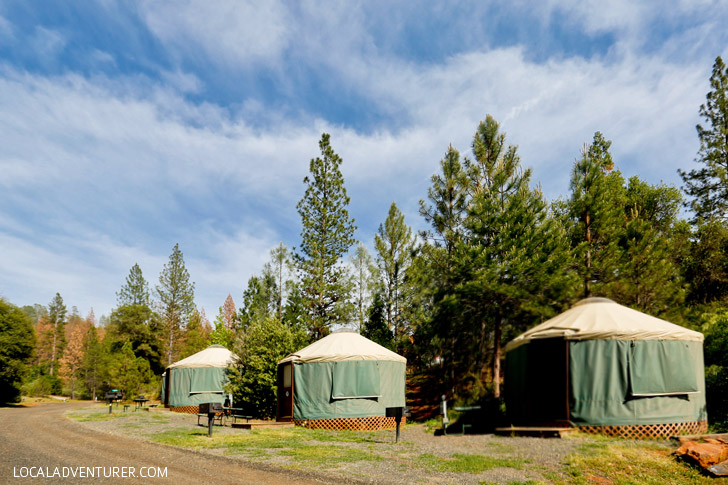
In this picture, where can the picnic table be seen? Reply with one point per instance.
(140, 402)
(235, 413)
(464, 410)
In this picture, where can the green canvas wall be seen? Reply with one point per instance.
(610, 382)
(192, 386)
(347, 389)
(602, 374)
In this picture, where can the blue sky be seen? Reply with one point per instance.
(130, 126)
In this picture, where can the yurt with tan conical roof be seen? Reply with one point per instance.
(609, 369)
(342, 381)
(199, 378)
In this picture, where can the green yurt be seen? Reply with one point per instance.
(343, 381)
(198, 378)
(607, 369)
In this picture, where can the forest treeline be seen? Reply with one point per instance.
(497, 258)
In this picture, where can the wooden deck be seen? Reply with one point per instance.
(263, 424)
(541, 432)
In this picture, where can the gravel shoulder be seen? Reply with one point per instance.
(41, 439)
(417, 458)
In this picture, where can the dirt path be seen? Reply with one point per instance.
(40, 437)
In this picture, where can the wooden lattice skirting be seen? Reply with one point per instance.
(649, 431)
(369, 423)
(185, 409)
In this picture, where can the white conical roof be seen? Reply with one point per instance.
(343, 346)
(212, 356)
(601, 318)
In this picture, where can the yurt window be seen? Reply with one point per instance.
(287, 375)
(357, 379)
(661, 368)
(205, 380)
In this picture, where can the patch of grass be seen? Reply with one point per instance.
(96, 416)
(189, 438)
(629, 462)
(462, 463)
(500, 447)
(321, 455)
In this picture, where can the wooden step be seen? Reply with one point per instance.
(263, 424)
(542, 432)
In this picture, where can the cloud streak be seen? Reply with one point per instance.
(102, 170)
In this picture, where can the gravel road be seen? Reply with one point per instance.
(39, 441)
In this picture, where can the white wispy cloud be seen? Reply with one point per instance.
(101, 172)
(230, 31)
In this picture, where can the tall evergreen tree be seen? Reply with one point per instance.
(365, 274)
(71, 365)
(197, 334)
(57, 318)
(705, 263)
(129, 372)
(229, 313)
(445, 210)
(649, 275)
(143, 329)
(375, 327)
(514, 264)
(136, 289)
(597, 214)
(93, 359)
(327, 234)
(16, 347)
(176, 295)
(448, 199)
(222, 334)
(254, 375)
(281, 266)
(260, 298)
(394, 243)
(708, 186)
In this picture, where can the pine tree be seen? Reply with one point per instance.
(253, 376)
(445, 211)
(260, 299)
(648, 278)
(705, 263)
(365, 274)
(141, 327)
(394, 243)
(281, 266)
(327, 234)
(514, 263)
(16, 347)
(709, 185)
(375, 327)
(136, 289)
(72, 361)
(129, 372)
(197, 334)
(597, 215)
(93, 359)
(222, 334)
(449, 199)
(57, 318)
(229, 313)
(177, 299)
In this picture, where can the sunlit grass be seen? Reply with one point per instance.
(628, 462)
(463, 463)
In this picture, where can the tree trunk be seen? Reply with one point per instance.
(53, 352)
(587, 273)
(497, 358)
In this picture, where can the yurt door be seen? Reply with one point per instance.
(285, 392)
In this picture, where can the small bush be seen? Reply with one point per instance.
(43, 385)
